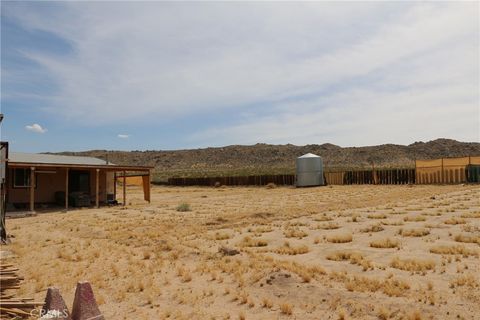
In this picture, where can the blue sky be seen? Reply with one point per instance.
(160, 75)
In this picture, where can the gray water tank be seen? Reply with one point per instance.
(309, 171)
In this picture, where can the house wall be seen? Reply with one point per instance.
(49, 183)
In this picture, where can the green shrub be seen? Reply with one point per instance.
(183, 207)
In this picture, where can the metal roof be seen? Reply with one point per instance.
(53, 159)
(309, 155)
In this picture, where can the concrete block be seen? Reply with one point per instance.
(84, 304)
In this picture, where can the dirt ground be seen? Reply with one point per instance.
(337, 252)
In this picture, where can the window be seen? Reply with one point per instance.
(21, 178)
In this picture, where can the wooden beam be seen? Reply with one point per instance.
(32, 188)
(124, 188)
(67, 171)
(97, 191)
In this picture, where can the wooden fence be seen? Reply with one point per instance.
(390, 176)
(260, 180)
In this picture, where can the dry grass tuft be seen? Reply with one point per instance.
(419, 232)
(323, 218)
(413, 265)
(286, 308)
(340, 238)
(385, 243)
(391, 287)
(454, 249)
(184, 274)
(294, 233)
(465, 280)
(467, 238)
(377, 216)
(290, 250)
(472, 215)
(393, 223)
(414, 219)
(373, 228)
(267, 303)
(249, 242)
(354, 258)
(328, 226)
(455, 221)
(222, 236)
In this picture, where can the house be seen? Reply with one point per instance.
(40, 179)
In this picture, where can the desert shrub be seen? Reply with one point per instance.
(271, 185)
(385, 243)
(183, 207)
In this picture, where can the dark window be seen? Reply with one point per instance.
(21, 178)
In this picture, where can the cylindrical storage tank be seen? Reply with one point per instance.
(309, 171)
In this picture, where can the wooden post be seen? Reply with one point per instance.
(443, 174)
(146, 186)
(97, 191)
(124, 188)
(32, 189)
(66, 188)
(115, 185)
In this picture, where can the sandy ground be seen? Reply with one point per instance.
(339, 252)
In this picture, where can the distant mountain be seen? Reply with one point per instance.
(274, 159)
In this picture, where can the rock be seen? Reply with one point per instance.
(228, 252)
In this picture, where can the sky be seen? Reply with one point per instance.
(176, 75)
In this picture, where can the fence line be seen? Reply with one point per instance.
(437, 171)
(389, 176)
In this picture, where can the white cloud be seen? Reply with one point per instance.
(123, 136)
(36, 128)
(331, 72)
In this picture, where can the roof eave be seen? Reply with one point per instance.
(86, 166)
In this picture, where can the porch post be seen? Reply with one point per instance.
(97, 180)
(32, 189)
(124, 188)
(146, 186)
(66, 188)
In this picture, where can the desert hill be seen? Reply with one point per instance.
(274, 159)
